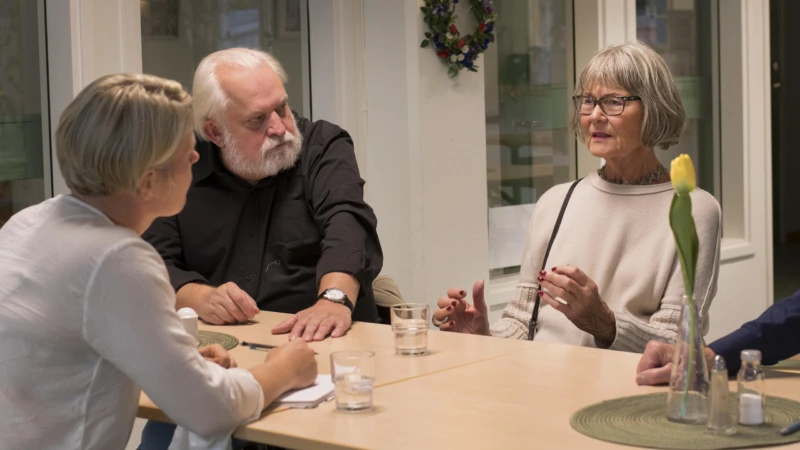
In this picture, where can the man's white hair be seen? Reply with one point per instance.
(209, 98)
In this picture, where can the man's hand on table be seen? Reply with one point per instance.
(655, 367)
(217, 354)
(226, 304)
(316, 322)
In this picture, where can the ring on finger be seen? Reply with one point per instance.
(436, 323)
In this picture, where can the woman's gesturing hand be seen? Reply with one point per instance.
(456, 314)
(581, 301)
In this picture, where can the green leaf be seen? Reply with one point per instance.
(425, 43)
(682, 224)
(428, 35)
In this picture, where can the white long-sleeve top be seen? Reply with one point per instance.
(620, 237)
(87, 317)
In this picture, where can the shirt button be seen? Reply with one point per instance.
(249, 277)
(252, 232)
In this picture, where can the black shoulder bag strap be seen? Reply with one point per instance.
(535, 317)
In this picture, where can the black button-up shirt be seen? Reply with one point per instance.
(277, 238)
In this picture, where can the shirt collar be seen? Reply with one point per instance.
(210, 160)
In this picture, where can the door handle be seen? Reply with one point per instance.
(519, 123)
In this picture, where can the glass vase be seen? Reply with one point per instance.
(687, 401)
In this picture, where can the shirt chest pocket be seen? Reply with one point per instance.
(293, 234)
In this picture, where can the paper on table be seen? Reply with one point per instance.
(310, 397)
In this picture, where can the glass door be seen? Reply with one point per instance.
(529, 149)
(24, 130)
(177, 34)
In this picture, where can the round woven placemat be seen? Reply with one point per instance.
(212, 337)
(793, 364)
(642, 421)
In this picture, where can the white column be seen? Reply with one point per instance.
(426, 168)
(87, 39)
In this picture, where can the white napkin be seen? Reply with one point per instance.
(183, 439)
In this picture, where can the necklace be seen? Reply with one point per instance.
(645, 180)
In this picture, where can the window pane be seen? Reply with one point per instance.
(683, 33)
(528, 146)
(177, 34)
(21, 153)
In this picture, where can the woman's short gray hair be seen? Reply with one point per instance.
(638, 69)
(209, 98)
(119, 127)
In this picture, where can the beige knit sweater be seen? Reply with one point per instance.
(621, 238)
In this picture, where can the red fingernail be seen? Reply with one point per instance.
(542, 273)
(553, 269)
(540, 293)
(452, 322)
(540, 278)
(454, 304)
(449, 308)
(462, 292)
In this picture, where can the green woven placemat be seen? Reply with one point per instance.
(642, 421)
(212, 337)
(787, 364)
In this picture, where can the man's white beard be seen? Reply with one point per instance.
(269, 162)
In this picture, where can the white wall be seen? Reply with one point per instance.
(426, 157)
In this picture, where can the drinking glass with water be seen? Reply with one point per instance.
(410, 326)
(353, 375)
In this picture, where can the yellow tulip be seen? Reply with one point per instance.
(682, 174)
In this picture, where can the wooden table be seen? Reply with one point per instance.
(469, 392)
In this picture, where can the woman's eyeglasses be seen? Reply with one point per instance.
(611, 105)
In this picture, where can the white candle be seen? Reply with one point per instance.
(751, 409)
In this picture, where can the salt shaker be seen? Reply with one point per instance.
(189, 318)
(751, 389)
(720, 421)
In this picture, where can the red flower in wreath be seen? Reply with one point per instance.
(442, 53)
(482, 28)
(489, 10)
(461, 43)
(453, 29)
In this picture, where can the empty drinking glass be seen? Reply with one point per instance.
(353, 375)
(410, 326)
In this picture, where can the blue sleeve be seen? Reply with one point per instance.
(776, 333)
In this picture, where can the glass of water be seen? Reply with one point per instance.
(410, 326)
(353, 375)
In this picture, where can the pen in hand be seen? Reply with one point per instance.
(255, 345)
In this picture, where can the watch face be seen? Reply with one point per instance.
(334, 294)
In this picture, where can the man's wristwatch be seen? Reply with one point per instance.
(336, 296)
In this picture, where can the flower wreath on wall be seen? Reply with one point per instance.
(455, 50)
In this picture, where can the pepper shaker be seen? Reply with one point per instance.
(720, 421)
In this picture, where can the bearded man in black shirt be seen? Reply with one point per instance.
(275, 218)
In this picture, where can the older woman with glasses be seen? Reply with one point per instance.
(87, 313)
(599, 267)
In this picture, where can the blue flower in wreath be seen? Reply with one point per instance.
(489, 27)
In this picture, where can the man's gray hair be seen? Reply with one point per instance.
(638, 69)
(209, 98)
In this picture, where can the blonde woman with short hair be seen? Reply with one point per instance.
(87, 313)
(612, 278)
